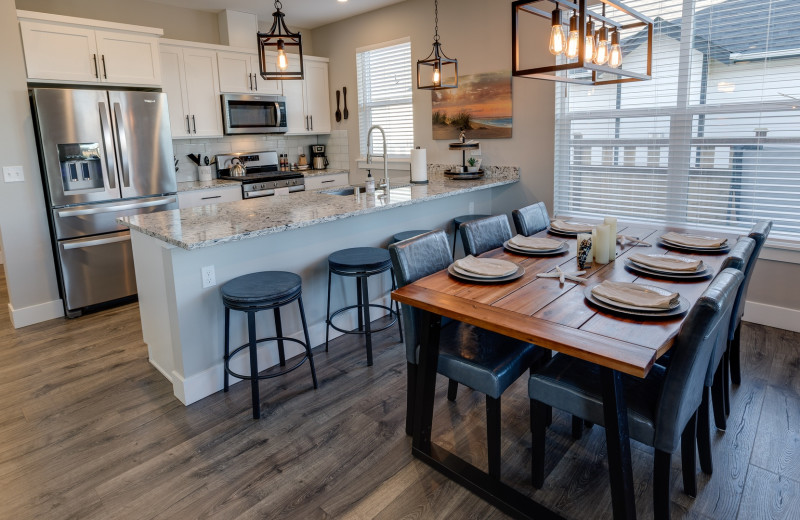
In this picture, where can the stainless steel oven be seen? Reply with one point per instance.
(253, 114)
(260, 174)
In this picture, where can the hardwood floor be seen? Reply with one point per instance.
(89, 429)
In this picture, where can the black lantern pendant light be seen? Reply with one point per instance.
(276, 40)
(433, 66)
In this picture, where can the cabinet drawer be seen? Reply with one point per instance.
(327, 181)
(191, 199)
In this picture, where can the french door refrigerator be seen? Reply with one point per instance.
(103, 154)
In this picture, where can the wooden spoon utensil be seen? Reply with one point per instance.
(346, 112)
(338, 112)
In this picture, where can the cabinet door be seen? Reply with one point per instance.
(131, 59)
(202, 89)
(191, 199)
(264, 86)
(235, 75)
(296, 110)
(172, 75)
(59, 53)
(318, 106)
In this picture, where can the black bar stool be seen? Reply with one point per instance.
(405, 235)
(262, 291)
(457, 221)
(360, 263)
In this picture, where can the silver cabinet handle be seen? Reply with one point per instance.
(103, 59)
(255, 82)
(122, 139)
(108, 144)
(188, 127)
(96, 70)
(194, 124)
(98, 242)
(212, 197)
(250, 79)
(332, 180)
(117, 207)
(311, 118)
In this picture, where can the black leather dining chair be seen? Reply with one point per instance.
(531, 219)
(485, 234)
(482, 360)
(662, 407)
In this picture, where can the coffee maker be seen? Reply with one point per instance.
(318, 159)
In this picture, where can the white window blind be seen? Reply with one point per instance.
(384, 97)
(712, 141)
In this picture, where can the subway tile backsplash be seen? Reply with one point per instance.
(336, 144)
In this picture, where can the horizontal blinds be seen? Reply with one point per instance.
(384, 98)
(712, 141)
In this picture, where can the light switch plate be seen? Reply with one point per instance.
(13, 174)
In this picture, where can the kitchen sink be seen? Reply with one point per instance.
(350, 190)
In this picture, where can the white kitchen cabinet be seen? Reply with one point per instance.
(240, 74)
(191, 82)
(66, 52)
(307, 102)
(191, 199)
(327, 181)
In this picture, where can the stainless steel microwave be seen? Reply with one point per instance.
(253, 114)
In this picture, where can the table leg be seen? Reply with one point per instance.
(619, 445)
(426, 380)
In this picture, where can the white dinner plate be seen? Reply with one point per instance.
(696, 275)
(724, 248)
(563, 248)
(666, 271)
(682, 307)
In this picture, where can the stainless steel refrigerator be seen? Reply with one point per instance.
(103, 154)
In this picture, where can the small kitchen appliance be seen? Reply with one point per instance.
(253, 114)
(259, 173)
(318, 159)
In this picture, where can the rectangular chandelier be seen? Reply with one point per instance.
(577, 56)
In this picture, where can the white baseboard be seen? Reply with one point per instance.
(772, 316)
(36, 313)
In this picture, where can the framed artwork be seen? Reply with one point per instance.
(481, 106)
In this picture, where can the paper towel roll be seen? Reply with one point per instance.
(419, 166)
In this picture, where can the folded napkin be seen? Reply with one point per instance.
(669, 263)
(535, 243)
(486, 266)
(571, 227)
(693, 240)
(634, 294)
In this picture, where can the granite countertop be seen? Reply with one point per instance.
(205, 226)
(326, 171)
(204, 185)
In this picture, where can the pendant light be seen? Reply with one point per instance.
(558, 41)
(434, 65)
(276, 40)
(572, 39)
(615, 54)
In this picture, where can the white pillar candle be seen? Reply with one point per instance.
(612, 237)
(601, 250)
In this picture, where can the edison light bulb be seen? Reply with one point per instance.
(572, 40)
(283, 62)
(615, 55)
(601, 44)
(436, 76)
(557, 39)
(589, 50)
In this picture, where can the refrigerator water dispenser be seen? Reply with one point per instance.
(81, 168)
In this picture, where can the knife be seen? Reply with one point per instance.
(194, 158)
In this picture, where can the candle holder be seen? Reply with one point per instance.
(584, 250)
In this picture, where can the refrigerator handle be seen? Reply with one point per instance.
(97, 242)
(123, 146)
(108, 144)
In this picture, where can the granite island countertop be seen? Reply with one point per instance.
(206, 226)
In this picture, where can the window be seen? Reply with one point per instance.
(713, 140)
(384, 97)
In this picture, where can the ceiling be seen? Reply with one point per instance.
(305, 14)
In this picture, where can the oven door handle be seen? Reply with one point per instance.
(96, 242)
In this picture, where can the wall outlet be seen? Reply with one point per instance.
(13, 174)
(471, 208)
(299, 150)
(209, 277)
(475, 152)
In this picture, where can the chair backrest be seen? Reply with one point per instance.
(413, 259)
(759, 233)
(485, 234)
(742, 257)
(531, 219)
(683, 384)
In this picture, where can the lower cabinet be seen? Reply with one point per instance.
(191, 199)
(333, 180)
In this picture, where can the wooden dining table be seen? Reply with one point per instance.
(555, 316)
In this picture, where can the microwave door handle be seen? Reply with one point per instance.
(122, 140)
(108, 144)
(278, 114)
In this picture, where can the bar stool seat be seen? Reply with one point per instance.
(405, 235)
(264, 288)
(457, 221)
(360, 259)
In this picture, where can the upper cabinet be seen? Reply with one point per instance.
(239, 73)
(307, 102)
(65, 49)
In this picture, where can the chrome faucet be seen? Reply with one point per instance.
(385, 183)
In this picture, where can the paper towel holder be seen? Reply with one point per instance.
(419, 182)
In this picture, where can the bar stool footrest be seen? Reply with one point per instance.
(392, 314)
(265, 376)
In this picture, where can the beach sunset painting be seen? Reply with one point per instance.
(481, 106)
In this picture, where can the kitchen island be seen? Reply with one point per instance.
(182, 321)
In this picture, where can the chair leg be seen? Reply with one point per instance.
(549, 416)
(279, 333)
(688, 457)
(227, 348)
(539, 413)
(726, 377)
(367, 332)
(396, 306)
(455, 237)
(360, 302)
(734, 350)
(577, 428)
(493, 435)
(718, 399)
(308, 341)
(411, 387)
(704, 435)
(328, 314)
(251, 331)
(661, 467)
(452, 390)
